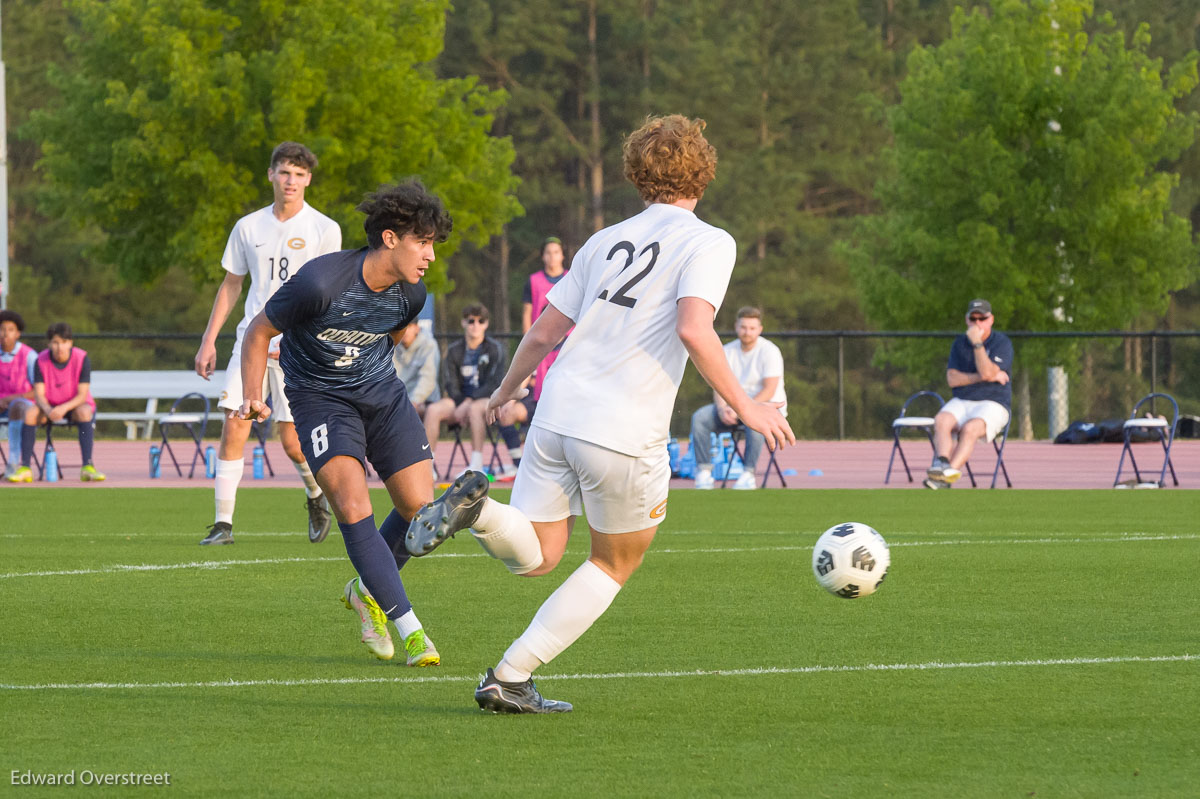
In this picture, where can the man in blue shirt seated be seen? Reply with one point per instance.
(979, 373)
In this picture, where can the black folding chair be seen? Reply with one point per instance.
(738, 436)
(905, 421)
(193, 420)
(1157, 428)
(495, 463)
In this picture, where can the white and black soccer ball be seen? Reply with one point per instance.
(851, 560)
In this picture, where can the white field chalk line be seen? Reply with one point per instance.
(213, 565)
(629, 675)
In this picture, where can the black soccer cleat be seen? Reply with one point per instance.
(219, 533)
(319, 518)
(455, 510)
(514, 697)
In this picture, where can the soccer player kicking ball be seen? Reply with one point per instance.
(340, 318)
(642, 295)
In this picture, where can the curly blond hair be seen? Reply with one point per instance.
(668, 159)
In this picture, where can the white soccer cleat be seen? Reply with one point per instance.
(374, 621)
(746, 482)
(704, 479)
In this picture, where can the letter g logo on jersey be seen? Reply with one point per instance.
(296, 243)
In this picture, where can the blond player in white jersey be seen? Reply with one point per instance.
(642, 296)
(270, 245)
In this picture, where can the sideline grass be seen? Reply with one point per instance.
(727, 587)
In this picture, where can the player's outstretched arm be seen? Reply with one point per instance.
(542, 337)
(694, 325)
(227, 297)
(254, 366)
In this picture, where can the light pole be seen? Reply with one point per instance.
(5, 286)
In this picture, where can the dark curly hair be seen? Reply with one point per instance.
(61, 329)
(14, 317)
(405, 208)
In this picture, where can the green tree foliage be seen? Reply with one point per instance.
(170, 108)
(1025, 171)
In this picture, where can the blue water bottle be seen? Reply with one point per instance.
(258, 463)
(51, 467)
(210, 462)
(155, 453)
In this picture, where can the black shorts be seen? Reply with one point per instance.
(376, 422)
(530, 406)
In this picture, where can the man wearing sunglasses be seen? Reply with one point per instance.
(471, 371)
(979, 373)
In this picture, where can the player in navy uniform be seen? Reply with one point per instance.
(340, 318)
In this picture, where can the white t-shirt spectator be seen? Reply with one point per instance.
(752, 368)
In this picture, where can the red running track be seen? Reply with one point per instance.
(841, 464)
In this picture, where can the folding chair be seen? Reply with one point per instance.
(738, 435)
(1156, 427)
(495, 464)
(998, 445)
(262, 431)
(194, 421)
(49, 447)
(905, 422)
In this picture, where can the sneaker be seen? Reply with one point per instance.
(704, 479)
(514, 697)
(936, 485)
(950, 474)
(88, 474)
(421, 651)
(455, 510)
(374, 621)
(746, 482)
(940, 464)
(319, 518)
(22, 474)
(219, 533)
(507, 474)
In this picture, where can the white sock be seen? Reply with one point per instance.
(407, 624)
(561, 619)
(229, 474)
(476, 462)
(310, 483)
(506, 535)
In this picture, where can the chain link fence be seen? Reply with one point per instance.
(845, 384)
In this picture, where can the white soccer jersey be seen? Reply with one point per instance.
(752, 368)
(615, 380)
(271, 251)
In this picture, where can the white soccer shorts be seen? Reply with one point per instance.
(993, 414)
(231, 395)
(561, 476)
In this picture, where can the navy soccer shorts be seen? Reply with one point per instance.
(376, 422)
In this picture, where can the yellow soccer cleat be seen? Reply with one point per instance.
(88, 474)
(421, 651)
(374, 622)
(23, 474)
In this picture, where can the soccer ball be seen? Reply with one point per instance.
(851, 560)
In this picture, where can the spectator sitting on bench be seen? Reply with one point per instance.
(471, 371)
(16, 382)
(758, 366)
(61, 383)
(416, 359)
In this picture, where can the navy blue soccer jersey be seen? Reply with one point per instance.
(335, 328)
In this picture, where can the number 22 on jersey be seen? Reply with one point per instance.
(621, 296)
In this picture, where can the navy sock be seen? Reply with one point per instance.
(375, 565)
(87, 436)
(28, 439)
(393, 529)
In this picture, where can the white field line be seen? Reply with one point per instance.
(215, 565)
(629, 675)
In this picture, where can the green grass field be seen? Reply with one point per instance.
(1044, 644)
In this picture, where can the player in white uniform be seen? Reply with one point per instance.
(270, 245)
(642, 296)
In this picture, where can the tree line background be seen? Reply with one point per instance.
(139, 132)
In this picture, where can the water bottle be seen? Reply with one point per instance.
(155, 453)
(258, 463)
(51, 467)
(210, 462)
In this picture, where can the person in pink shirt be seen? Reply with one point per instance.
(16, 382)
(62, 390)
